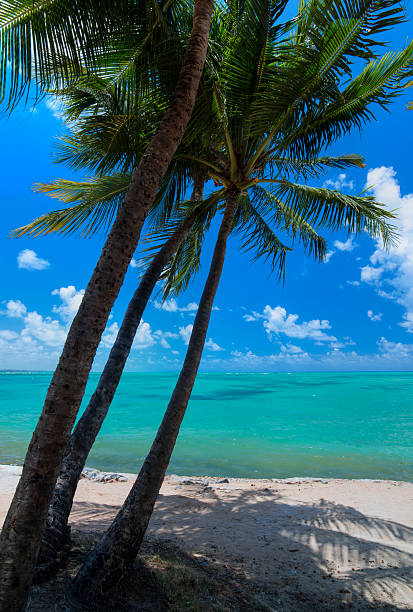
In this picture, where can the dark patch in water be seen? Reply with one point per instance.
(231, 394)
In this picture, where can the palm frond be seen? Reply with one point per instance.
(336, 211)
(50, 41)
(311, 167)
(289, 221)
(99, 199)
(259, 239)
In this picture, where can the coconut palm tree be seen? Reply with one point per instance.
(57, 532)
(104, 139)
(277, 103)
(21, 534)
(293, 168)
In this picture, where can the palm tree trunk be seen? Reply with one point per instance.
(114, 555)
(57, 532)
(23, 527)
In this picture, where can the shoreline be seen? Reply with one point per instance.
(11, 470)
(331, 543)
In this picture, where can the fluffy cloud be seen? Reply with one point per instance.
(374, 317)
(395, 267)
(71, 299)
(394, 351)
(213, 346)
(370, 274)
(163, 338)
(171, 305)
(28, 260)
(389, 355)
(15, 309)
(7, 334)
(40, 338)
(185, 333)
(134, 263)
(291, 349)
(55, 106)
(349, 245)
(340, 183)
(49, 331)
(144, 337)
(45, 329)
(44, 336)
(276, 322)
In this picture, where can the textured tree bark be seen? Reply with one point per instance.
(56, 536)
(112, 558)
(23, 527)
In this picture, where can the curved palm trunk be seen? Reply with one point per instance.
(23, 528)
(57, 532)
(115, 553)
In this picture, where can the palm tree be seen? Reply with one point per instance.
(56, 534)
(21, 534)
(276, 105)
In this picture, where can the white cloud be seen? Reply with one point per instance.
(7, 334)
(340, 183)
(276, 321)
(213, 346)
(370, 274)
(55, 106)
(39, 333)
(47, 330)
(163, 338)
(390, 355)
(394, 267)
(171, 305)
(71, 299)
(394, 350)
(134, 263)
(291, 349)
(38, 342)
(144, 337)
(109, 335)
(15, 309)
(374, 317)
(354, 283)
(349, 245)
(185, 333)
(28, 260)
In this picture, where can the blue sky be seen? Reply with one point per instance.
(354, 312)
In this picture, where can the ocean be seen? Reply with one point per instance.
(252, 425)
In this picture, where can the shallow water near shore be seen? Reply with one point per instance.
(252, 425)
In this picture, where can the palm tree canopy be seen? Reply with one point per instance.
(274, 96)
(46, 44)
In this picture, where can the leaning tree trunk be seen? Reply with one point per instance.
(23, 527)
(112, 558)
(56, 535)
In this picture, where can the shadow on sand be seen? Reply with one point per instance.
(322, 556)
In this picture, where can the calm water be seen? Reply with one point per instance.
(252, 425)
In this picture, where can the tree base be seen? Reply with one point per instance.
(53, 553)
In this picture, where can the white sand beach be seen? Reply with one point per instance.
(310, 544)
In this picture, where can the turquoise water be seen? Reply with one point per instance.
(349, 425)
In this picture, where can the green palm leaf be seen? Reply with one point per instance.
(99, 199)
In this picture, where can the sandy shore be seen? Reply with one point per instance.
(323, 544)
